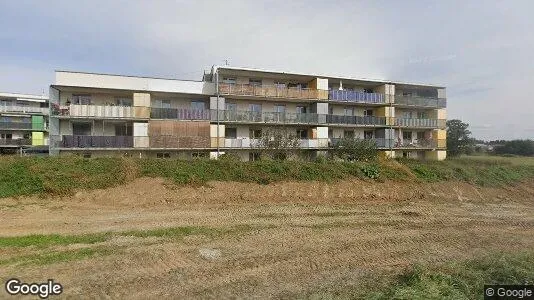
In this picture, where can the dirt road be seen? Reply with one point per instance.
(242, 240)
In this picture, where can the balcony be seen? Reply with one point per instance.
(179, 113)
(15, 142)
(24, 109)
(355, 96)
(420, 123)
(179, 142)
(21, 126)
(247, 143)
(92, 141)
(271, 91)
(94, 111)
(420, 144)
(420, 102)
(355, 120)
(264, 117)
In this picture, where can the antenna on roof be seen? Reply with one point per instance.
(226, 62)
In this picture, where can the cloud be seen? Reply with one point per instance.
(480, 51)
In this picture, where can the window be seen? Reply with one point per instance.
(81, 99)
(199, 155)
(255, 107)
(6, 136)
(368, 91)
(368, 112)
(302, 133)
(301, 109)
(279, 108)
(163, 103)
(330, 110)
(229, 80)
(123, 130)
(255, 82)
(348, 134)
(420, 135)
(254, 133)
(198, 105)
(81, 128)
(23, 103)
(422, 115)
(368, 134)
(120, 101)
(230, 133)
(26, 136)
(253, 156)
(407, 135)
(231, 106)
(6, 102)
(163, 155)
(348, 111)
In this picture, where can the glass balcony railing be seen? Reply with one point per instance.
(179, 113)
(382, 143)
(420, 101)
(24, 109)
(92, 141)
(355, 96)
(264, 117)
(271, 91)
(245, 143)
(22, 126)
(424, 123)
(355, 120)
(15, 142)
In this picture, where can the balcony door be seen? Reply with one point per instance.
(255, 111)
(162, 103)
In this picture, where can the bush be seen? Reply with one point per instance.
(350, 149)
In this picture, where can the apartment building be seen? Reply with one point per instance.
(23, 123)
(230, 109)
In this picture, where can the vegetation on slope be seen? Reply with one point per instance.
(62, 175)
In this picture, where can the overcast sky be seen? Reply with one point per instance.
(483, 51)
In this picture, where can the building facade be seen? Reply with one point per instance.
(23, 123)
(232, 109)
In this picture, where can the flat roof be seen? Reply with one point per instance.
(121, 75)
(274, 72)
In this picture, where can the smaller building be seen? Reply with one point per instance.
(23, 123)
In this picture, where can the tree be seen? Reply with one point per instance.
(516, 147)
(355, 149)
(278, 143)
(458, 138)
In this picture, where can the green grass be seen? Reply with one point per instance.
(57, 256)
(64, 175)
(464, 280)
(47, 240)
(454, 280)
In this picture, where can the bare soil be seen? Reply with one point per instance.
(301, 236)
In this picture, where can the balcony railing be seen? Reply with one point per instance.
(382, 143)
(264, 117)
(356, 120)
(94, 111)
(420, 101)
(355, 96)
(271, 91)
(425, 123)
(92, 141)
(244, 143)
(15, 142)
(179, 142)
(179, 113)
(22, 126)
(24, 109)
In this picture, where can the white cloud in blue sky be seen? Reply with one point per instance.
(481, 50)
